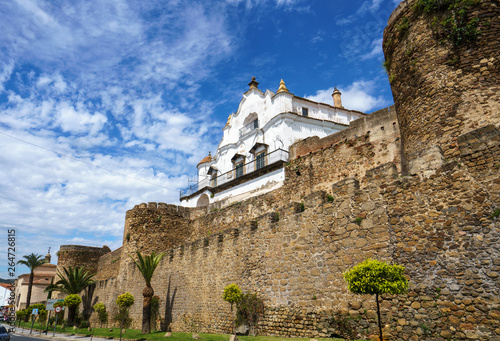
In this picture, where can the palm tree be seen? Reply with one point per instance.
(32, 261)
(147, 266)
(74, 281)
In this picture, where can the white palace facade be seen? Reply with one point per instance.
(252, 153)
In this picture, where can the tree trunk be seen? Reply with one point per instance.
(379, 321)
(147, 293)
(28, 297)
(71, 315)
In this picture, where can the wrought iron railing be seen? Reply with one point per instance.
(278, 155)
(249, 127)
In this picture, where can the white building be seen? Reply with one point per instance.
(254, 148)
(5, 290)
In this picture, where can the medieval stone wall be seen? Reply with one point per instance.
(81, 256)
(347, 197)
(369, 142)
(442, 229)
(441, 90)
(108, 265)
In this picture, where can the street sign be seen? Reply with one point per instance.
(50, 303)
(58, 309)
(35, 311)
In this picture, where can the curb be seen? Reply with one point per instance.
(58, 337)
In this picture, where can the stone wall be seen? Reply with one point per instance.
(108, 265)
(82, 256)
(345, 198)
(369, 142)
(441, 90)
(157, 227)
(378, 126)
(441, 228)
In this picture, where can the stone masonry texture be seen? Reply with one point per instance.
(418, 185)
(441, 91)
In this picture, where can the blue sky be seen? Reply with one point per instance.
(108, 104)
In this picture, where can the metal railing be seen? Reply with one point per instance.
(249, 127)
(278, 155)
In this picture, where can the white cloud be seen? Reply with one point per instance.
(6, 71)
(356, 96)
(376, 51)
(369, 6)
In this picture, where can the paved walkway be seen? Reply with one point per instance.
(57, 336)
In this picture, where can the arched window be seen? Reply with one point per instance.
(253, 117)
(204, 200)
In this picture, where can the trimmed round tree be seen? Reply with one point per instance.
(124, 302)
(374, 277)
(72, 301)
(102, 314)
(232, 294)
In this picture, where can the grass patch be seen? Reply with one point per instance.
(156, 335)
(358, 220)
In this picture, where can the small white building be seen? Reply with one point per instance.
(5, 290)
(254, 148)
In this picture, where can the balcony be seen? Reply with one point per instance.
(249, 127)
(242, 173)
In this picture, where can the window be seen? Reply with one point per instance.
(255, 124)
(261, 160)
(305, 112)
(239, 169)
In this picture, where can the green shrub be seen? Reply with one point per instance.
(102, 314)
(403, 28)
(125, 300)
(232, 294)
(495, 214)
(155, 310)
(343, 326)
(38, 306)
(72, 300)
(451, 18)
(84, 324)
(42, 316)
(249, 309)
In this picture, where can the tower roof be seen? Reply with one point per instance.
(205, 159)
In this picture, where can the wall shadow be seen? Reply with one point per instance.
(169, 304)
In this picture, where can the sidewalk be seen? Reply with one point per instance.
(59, 337)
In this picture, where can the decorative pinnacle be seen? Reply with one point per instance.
(228, 120)
(282, 87)
(253, 84)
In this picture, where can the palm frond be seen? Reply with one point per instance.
(32, 261)
(147, 264)
(73, 281)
